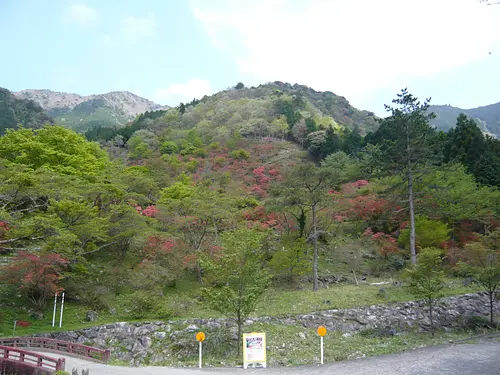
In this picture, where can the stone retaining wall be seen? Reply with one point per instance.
(130, 341)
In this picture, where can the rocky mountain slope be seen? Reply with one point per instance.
(487, 117)
(84, 112)
(15, 111)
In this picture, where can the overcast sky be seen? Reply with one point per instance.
(173, 50)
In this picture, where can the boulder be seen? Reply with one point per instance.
(91, 316)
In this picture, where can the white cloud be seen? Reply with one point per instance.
(183, 92)
(135, 28)
(81, 14)
(350, 47)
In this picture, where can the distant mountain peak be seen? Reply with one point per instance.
(85, 111)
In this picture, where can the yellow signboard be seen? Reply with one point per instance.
(254, 349)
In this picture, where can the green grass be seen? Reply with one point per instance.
(278, 302)
(183, 301)
(284, 299)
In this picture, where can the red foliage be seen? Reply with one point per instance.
(386, 243)
(37, 277)
(156, 245)
(464, 233)
(360, 183)
(4, 228)
(366, 207)
(190, 260)
(150, 211)
(258, 218)
(258, 191)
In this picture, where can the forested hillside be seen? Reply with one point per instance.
(286, 186)
(14, 112)
(322, 122)
(486, 117)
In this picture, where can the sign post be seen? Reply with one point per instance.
(200, 337)
(321, 332)
(254, 349)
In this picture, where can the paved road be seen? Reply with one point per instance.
(464, 359)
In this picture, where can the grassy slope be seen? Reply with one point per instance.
(277, 301)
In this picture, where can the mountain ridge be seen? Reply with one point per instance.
(81, 112)
(487, 117)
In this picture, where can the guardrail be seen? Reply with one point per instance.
(58, 346)
(33, 360)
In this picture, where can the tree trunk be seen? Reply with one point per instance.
(302, 223)
(198, 272)
(315, 259)
(413, 250)
(490, 294)
(430, 317)
(240, 323)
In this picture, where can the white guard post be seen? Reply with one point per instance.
(254, 349)
(55, 307)
(199, 364)
(62, 310)
(321, 349)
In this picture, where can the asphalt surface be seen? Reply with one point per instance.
(462, 359)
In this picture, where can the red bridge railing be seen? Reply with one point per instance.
(84, 351)
(33, 360)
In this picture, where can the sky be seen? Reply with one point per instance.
(174, 50)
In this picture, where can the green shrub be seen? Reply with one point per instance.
(143, 304)
(240, 154)
(479, 323)
(200, 152)
(187, 148)
(169, 147)
(192, 166)
(214, 146)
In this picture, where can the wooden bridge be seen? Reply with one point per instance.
(13, 360)
(37, 363)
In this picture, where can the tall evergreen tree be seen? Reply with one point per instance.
(407, 146)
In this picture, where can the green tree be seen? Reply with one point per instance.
(464, 141)
(55, 148)
(405, 138)
(371, 160)
(482, 262)
(426, 279)
(291, 258)
(238, 279)
(429, 233)
(306, 188)
(453, 195)
(169, 147)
